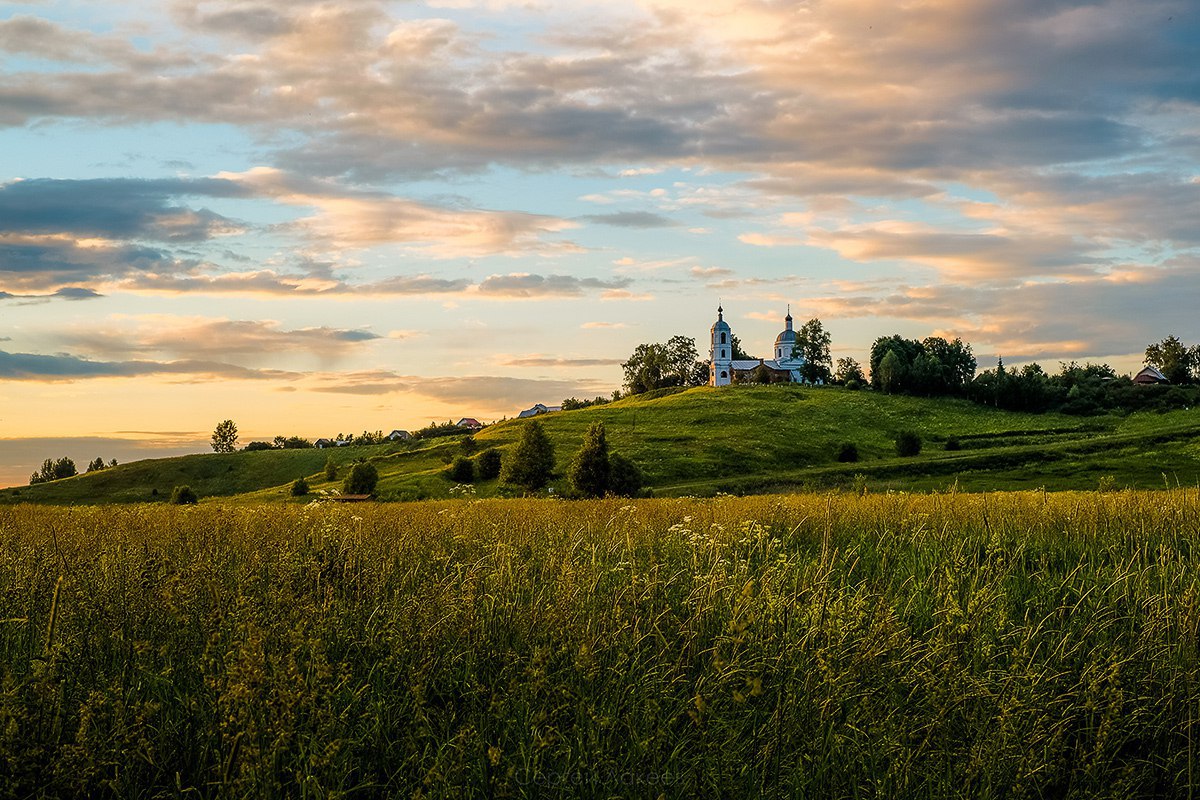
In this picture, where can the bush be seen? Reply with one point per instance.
(183, 496)
(330, 468)
(253, 446)
(952, 443)
(908, 443)
(847, 453)
(299, 487)
(624, 476)
(853, 385)
(462, 470)
(361, 479)
(487, 464)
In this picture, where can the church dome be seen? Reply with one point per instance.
(720, 324)
(787, 337)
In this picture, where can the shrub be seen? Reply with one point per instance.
(183, 496)
(361, 479)
(487, 464)
(952, 443)
(299, 487)
(462, 470)
(847, 452)
(625, 478)
(589, 472)
(330, 468)
(531, 462)
(853, 385)
(253, 446)
(908, 443)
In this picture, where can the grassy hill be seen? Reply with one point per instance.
(741, 439)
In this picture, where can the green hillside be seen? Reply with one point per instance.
(741, 439)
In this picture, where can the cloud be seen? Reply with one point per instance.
(192, 338)
(526, 285)
(36, 367)
(553, 361)
(770, 240)
(631, 219)
(603, 326)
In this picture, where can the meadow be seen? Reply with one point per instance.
(818, 645)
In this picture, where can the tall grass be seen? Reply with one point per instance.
(1025, 645)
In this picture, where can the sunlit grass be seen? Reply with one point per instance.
(804, 646)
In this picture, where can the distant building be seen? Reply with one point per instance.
(724, 369)
(321, 444)
(1149, 376)
(470, 423)
(399, 436)
(538, 409)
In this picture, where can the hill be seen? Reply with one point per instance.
(741, 439)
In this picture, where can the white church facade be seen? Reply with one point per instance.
(724, 369)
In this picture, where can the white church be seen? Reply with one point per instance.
(723, 369)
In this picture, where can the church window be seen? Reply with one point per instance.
(724, 374)
(722, 338)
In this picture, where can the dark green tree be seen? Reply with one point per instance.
(330, 468)
(891, 375)
(299, 487)
(531, 462)
(906, 351)
(361, 479)
(657, 366)
(589, 471)
(908, 443)
(848, 370)
(735, 349)
(225, 436)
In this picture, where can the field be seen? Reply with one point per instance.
(736, 440)
(818, 645)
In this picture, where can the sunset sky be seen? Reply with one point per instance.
(323, 217)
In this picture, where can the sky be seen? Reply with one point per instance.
(324, 217)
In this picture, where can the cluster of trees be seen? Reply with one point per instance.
(97, 464)
(53, 469)
(436, 429)
(593, 472)
(280, 443)
(1075, 389)
(664, 365)
(929, 368)
(572, 403)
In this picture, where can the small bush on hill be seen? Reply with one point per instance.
(299, 487)
(847, 452)
(183, 496)
(952, 443)
(908, 443)
(253, 446)
(531, 463)
(462, 470)
(487, 464)
(589, 472)
(330, 469)
(625, 478)
(361, 479)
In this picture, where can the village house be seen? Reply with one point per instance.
(399, 436)
(1149, 376)
(538, 409)
(470, 423)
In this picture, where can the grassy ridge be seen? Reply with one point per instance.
(1024, 645)
(735, 439)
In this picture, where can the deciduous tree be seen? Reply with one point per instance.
(225, 436)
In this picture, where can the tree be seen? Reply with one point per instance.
(330, 468)
(906, 351)
(735, 349)
(891, 375)
(1177, 362)
(256, 446)
(812, 344)
(531, 462)
(96, 464)
(848, 370)
(361, 479)
(225, 436)
(589, 471)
